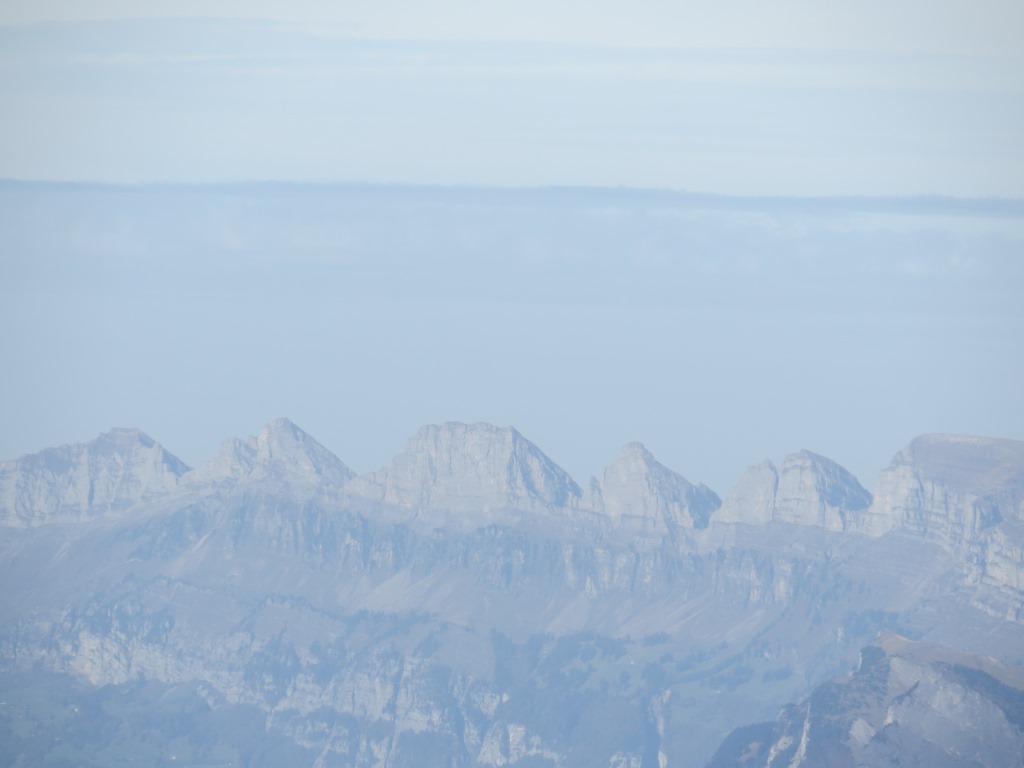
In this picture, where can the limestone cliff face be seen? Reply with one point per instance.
(78, 482)
(949, 488)
(281, 454)
(1003, 555)
(469, 468)
(752, 499)
(907, 704)
(805, 488)
(638, 490)
(965, 494)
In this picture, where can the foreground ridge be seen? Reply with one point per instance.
(907, 703)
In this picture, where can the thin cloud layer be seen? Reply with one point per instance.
(220, 100)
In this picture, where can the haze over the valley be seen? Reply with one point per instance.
(716, 330)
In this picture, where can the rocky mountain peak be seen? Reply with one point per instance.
(805, 488)
(79, 482)
(950, 488)
(637, 487)
(469, 467)
(834, 494)
(636, 450)
(752, 499)
(118, 440)
(282, 452)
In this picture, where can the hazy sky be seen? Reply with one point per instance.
(718, 330)
(978, 27)
(729, 97)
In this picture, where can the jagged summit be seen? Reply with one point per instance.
(469, 467)
(949, 488)
(78, 482)
(280, 452)
(804, 488)
(120, 439)
(636, 486)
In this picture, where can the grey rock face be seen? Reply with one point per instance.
(281, 453)
(1002, 555)
(752, 500)
(78, 482)
(965, 494)
(469, 468)
(805, 488)
(515, 627)
(638, 490)
(949, 488)
(907, 704)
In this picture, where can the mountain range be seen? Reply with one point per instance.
(472, 604)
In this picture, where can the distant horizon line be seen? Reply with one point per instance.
(902, 203)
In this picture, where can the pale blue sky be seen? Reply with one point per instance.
(718, 330)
